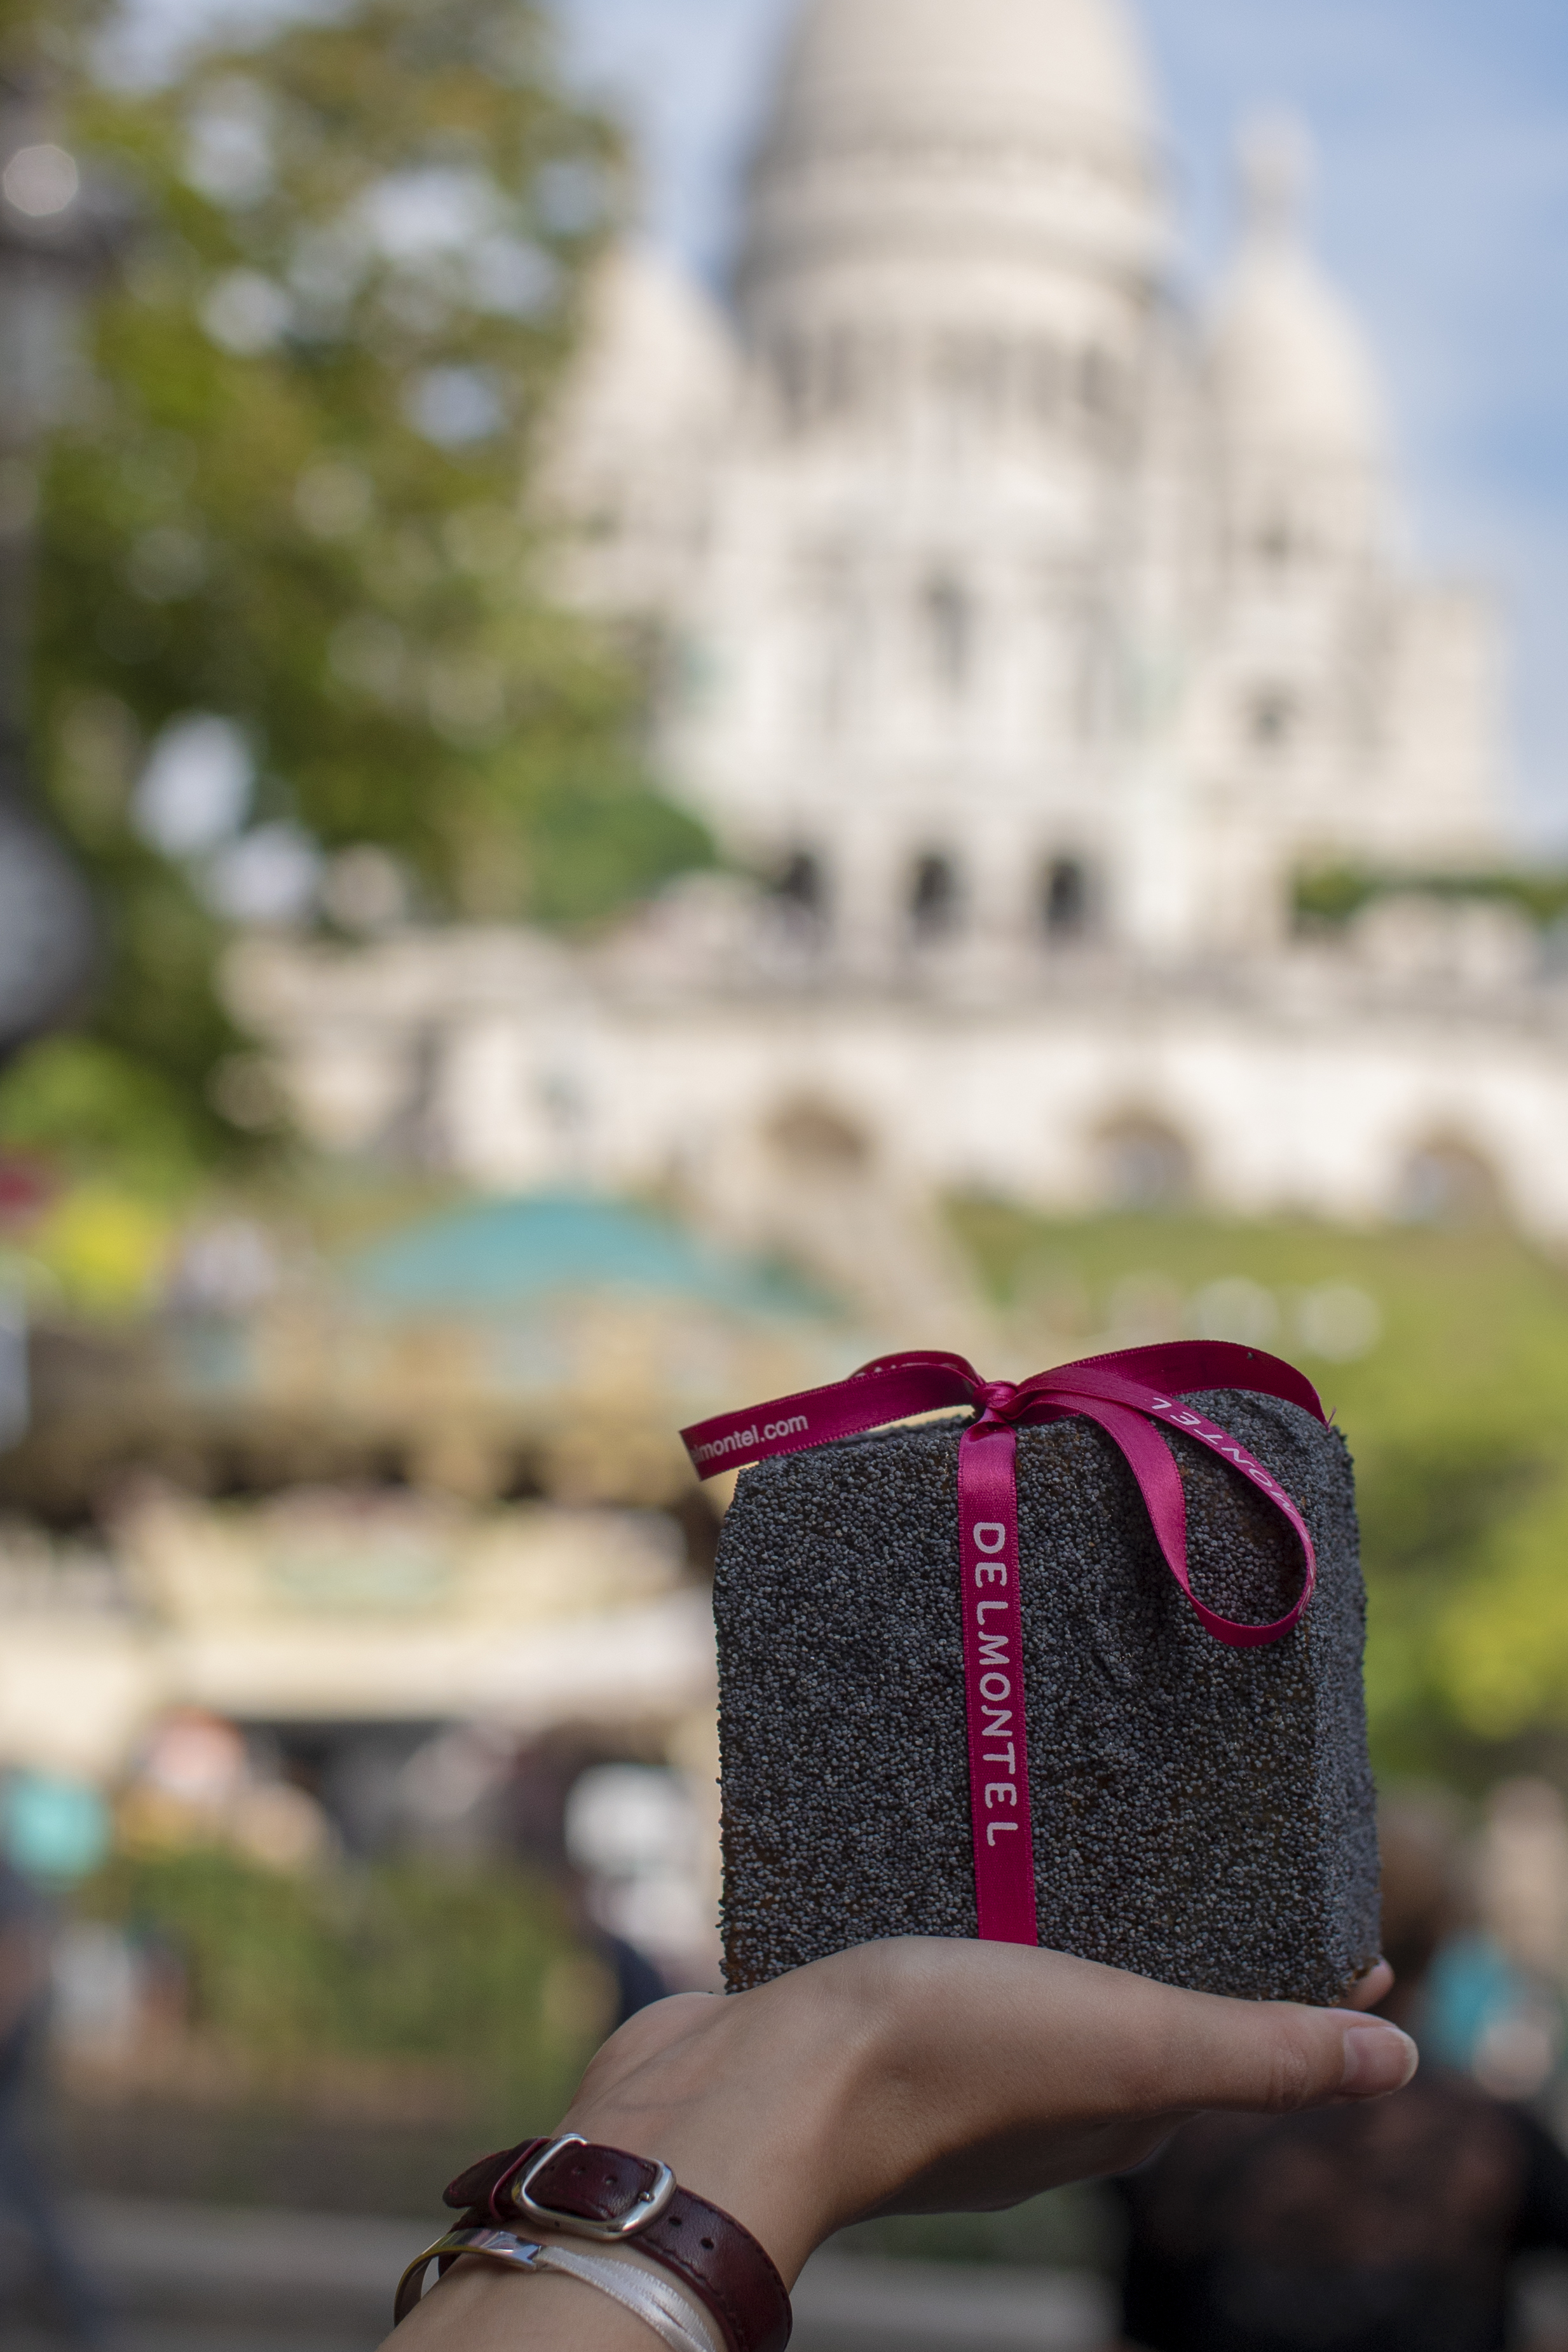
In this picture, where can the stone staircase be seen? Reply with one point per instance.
(188, 2278)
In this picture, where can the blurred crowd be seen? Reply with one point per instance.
(1410, 2226)
(254, 1919)
(1405, 2225)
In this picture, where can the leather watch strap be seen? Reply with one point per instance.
(587, 2190)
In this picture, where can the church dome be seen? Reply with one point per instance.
(650, 394)
(967, 64)
(656, 352)
(916, 150)
(655, 374)
(1290, 369)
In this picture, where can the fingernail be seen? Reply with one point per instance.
(1377, 2058)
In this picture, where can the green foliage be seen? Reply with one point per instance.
(298, 490)
(88, 1107)
(1332, 894)
(596, 848)
(1457, 1419)
(408, 1961)
(45, 36)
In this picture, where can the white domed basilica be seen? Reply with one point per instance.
(1011, 602)
(1026, 633)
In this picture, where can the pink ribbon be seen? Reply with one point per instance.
(1128, 1395)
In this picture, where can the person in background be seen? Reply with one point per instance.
(1356, 2228)
(1493, 2003)
(638, 1984)
(27, 1931)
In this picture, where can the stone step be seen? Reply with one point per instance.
(189, 2278)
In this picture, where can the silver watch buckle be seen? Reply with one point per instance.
(641, 2215)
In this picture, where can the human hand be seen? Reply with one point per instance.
(927, 2076)
(917, 2076)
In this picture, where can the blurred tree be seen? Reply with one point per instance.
(291, 595)
(83, 1106)
(477, 1970)
(1453, 1413)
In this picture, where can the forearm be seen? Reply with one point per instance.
(484, 2309)
(761, 2158)
(911, 2076)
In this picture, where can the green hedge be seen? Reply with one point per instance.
(474, 1969)
(1457, 1419)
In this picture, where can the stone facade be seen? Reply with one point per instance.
(1027, 632)
(1011, 598)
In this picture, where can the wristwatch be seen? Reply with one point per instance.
(570, 2186)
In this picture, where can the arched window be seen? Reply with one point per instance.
(949, 630)
(802, 888)
(816, 1137)
(1446, 1182)
(1272, 717)
(1066, 900)
(1142, 1163)
(933, 898)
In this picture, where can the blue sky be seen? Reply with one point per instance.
(1442, 133)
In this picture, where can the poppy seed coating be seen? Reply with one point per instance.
(1202, 1814)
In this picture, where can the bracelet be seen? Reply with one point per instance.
(571, 2190)
(645, 2292)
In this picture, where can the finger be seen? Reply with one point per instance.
(1030, 2034)
(1271, 2056)
(1373, 1988)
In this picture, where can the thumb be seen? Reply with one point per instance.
(1000, 2038)
(1274, 2056)
(1006, 2070)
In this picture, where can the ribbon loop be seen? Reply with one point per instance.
(1128, 1395)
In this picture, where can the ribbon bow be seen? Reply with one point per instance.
(1128, 1395)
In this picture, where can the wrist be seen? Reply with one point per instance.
(766, 2143)
(620, 2221)
(479, 2308)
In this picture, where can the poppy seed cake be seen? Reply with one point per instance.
(1202, 1814)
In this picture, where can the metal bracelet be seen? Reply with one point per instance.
(647, 2293)
(500, 2245)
